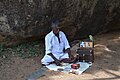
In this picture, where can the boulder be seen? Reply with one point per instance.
(31, 19)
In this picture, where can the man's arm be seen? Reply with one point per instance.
(48, 45)
(67, 46)
(69, 52)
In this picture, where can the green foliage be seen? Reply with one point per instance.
(27, 50)
(24, 50)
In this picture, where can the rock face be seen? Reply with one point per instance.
(21, 19)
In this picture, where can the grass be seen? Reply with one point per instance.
(24, 50)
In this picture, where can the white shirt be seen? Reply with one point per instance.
(52, 44)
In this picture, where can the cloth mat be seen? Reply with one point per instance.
(83, 66)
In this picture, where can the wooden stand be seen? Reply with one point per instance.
(86, 51)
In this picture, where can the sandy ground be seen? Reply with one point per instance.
(105, 67)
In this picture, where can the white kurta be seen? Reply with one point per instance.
(53, 46)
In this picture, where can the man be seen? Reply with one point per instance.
(57, 47)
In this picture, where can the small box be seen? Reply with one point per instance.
(86, 51)
(75, 66)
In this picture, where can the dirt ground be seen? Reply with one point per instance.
(105, 67)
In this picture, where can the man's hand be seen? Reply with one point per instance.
(57, 62)
(69, 52)
(71, 56)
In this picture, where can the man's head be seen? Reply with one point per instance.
(55, 26)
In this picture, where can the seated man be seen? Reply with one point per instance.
(57, 47)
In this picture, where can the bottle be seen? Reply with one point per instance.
(82, 44)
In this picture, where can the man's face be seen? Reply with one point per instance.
(56, 30)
